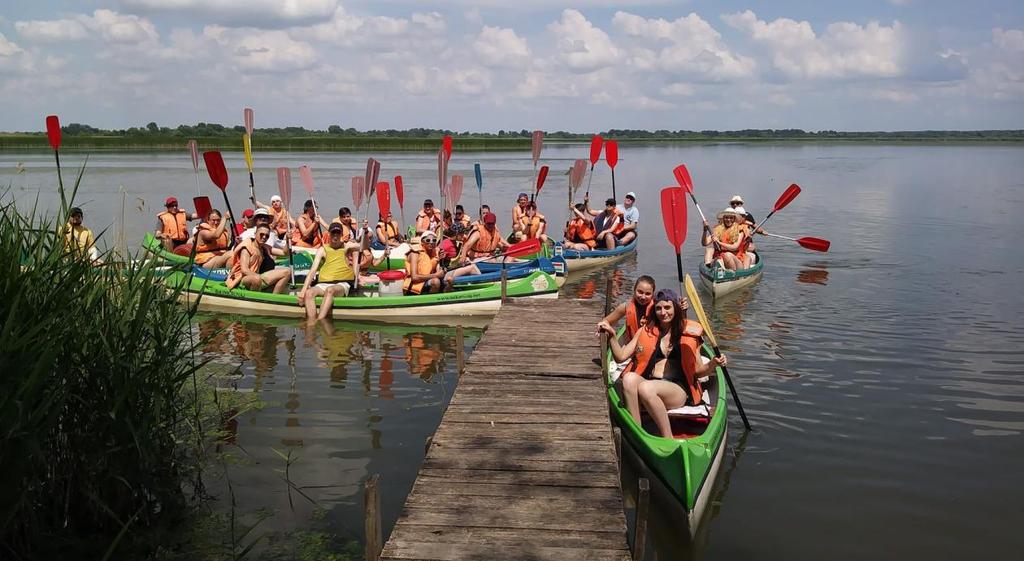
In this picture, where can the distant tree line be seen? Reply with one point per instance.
(213, 130)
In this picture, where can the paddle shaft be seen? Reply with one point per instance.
(613, 185)
(591, 178)
(783, 237)
(252, 189)
(732, 390)
(231, 213)
(704, 222)
(60, 180)
(198, 194)
(750, 239)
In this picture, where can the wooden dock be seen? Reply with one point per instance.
(523, 465)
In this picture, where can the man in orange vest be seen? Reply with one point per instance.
(484, 241)
(172, 225)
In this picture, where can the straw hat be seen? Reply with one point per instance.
(730, 212)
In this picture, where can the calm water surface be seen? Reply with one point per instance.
(885, 378)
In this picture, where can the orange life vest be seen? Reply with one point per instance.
(621, 222)
(255, 260)
(390, 230)
(531, 227)
(425, 265)
(580, 231)
(729, 236)
(312, 240)
(279, 220)
(174, 225)
(487, 242)
(689, 354)
(633, 321)
(208, 250)
(423, 220)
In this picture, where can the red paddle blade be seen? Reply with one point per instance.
(446, 145)
(215, 168)
(306, 175)
(456, 191)
(538, 143)
(595, 149)
(193, 150)
(814, 244)
(525, 247)
(384, 198)
(541, 176)
(787, 197)
(358, 188)
(673, 214)
(284, 185)
(203, 206)
(611, 153)
(53, 131)
(247, 117)
(683, 177)
(400, 191)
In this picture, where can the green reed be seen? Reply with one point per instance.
(98, 414)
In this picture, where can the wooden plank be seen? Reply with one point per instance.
(539, 454)
(543, 537)
(457, 476)
(488, 516)
(541, 507)
(490, 551)
(459, 415)
(436, 487)
(514, 464)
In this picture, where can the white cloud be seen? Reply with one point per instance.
(241, 13)
(678, 89)
(432, 22)
(686, 45)
(893, 95)
(7, 47)
(380, 33)
(498, 46)
(1008, 39)
(581, 45)
(108, 25)
(845, 49)
(265, 51)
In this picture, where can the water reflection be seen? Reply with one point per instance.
(813, 276)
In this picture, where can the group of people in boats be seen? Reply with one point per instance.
(662, 368)
(608, 228)
(730, 244)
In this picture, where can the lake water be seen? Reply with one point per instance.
(885, 379)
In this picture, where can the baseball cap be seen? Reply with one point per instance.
(247, 213)
(521, 195)
(489, 218)
(335, 227)
(609, 202)
(75, 211)
(275, 198)
(631, 195)
(170, 201)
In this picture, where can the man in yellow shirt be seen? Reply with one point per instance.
(79, 238)
(336, 276)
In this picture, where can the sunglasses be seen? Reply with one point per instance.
(429, 240)
(263, 236)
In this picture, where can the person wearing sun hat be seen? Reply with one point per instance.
(727, 241)
(172, 227)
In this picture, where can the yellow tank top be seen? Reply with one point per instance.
(336, 267)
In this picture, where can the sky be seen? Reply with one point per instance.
(487, 65)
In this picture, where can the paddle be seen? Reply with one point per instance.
(673, 215)
(579, 169)
(247, 119)
(219, 176)
(683, 178)
(611, 155)
(446, 145)
(400, 192)
(479, 184)
(53, 134)
(384, 205)
(442, 173)
(203, 207)
(691, 293)
(193, 150)
(784, 199)
(814, 244)
(456, 190)
(372, 173)
(358, 184)
(595, 155)
(306, 175)
(284, 188)
(525, 247)
(540, 182)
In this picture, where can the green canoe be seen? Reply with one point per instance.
(155, 248)
(483, 300)
(684, 467)
(719, 281)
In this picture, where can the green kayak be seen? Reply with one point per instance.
(685, 466)
(368, 304)
(155, 248)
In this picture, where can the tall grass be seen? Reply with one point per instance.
(97, 418)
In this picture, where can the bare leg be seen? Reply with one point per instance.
(310, 303)
(731, 262)
(609, 241)
(630, 382)
(217, 262)
(328, 302)
(627, 237)
(709, 255)
(657, 396)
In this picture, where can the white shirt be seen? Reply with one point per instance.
(630, 215)
(272, 241)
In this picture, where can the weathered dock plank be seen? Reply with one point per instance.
(523, 465)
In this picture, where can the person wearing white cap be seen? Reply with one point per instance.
(726, 241)
(263, 217)
(280, 220)
(630, 219)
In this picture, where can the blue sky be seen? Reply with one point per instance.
(516, 64)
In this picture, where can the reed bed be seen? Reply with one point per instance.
(98, 414)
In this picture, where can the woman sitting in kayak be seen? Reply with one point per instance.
(334, 279)
(212, 242)
(635, 311)
(533, 224)
(665, 366)
(728, 240)
(387, 233)
(423, 272)
(484, 241)
(252, 265)
(580, 234)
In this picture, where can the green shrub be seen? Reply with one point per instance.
(97, 410)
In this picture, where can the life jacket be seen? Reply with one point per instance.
(621, 222)
(206, 251)
(279, 220)
(729, 236)
(390, 231)
(173, 224)
(580, 231)
(531, 227)
(633, 321)
(425, 265)
(336, 266)
(423, 220)
(689, 354)
(346, 230)
(312, 240)
(487, 242)
(255, 260)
